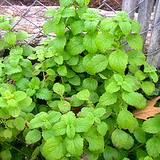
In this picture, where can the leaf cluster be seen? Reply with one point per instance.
(74, 94)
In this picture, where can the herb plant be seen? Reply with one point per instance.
(74, 95)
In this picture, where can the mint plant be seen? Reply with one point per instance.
(74, 94)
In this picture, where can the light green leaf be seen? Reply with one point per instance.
(134, 99)
(127, 86)
(59, 128)
(64, 106)
(152, 125)
(126, 116)
(53, 148)
(68, 12)
(70, 131)
(153, 147)
(10, 38)
(104, 42)
(121, 139)
(33, 136)
(148, 87)
(102, 128)
(77, 27)
(21, 35)
(51, 26)
(19, 123)
(135, 41)
(76, 81)
(58, 59)
(125, 27)
(89, 43)
(59, 88)
(74, 146)
(118, 61)
(75, 45)
(112, 87)
(65, 3)
(90, 84)
(108, 99)
(96, 64)
(38, 121)
(62, 70)
(44, 93)
(83, 124)
(110, 153)
(19, 95)
(83, 95)
(140, 135)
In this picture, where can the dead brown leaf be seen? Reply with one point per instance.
(149, 111)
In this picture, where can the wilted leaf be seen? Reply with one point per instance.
(149, 111)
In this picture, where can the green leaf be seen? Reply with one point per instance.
(83, 95)
(70, 131)
(125, 27)
(118, 61)
(7, 133)
(153, 147)
(77, 27)
(148, 87)
(33, 136)
(53, 116)
(83, 124)
(38, 121)
(5, 154)
(99, 112)
(73, 60)
(59, 88)
(75, 45)
(74, 146)
(68, 12)
(110, 153)
(58, 59)
(126, 116)
(102, 128)
(96, 64)
(64, 106)
(59, 128)
(140, 75)
(152, 125)
(121, 139)
(112, 87)
(136, 58)
(96, 141)
(136, 28)
(140, 135)
(44, 93)
(62, 70)
(53, 148)
(90, 84)
(127, 86)
(65, 3)
(89, 43)
(108, 99)
(10, 38)
(51, 26)
(21, 35)
(19, 95)
(104, 42)
(19, 123)
(76, 81)
(135, 42)
(134, 99)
